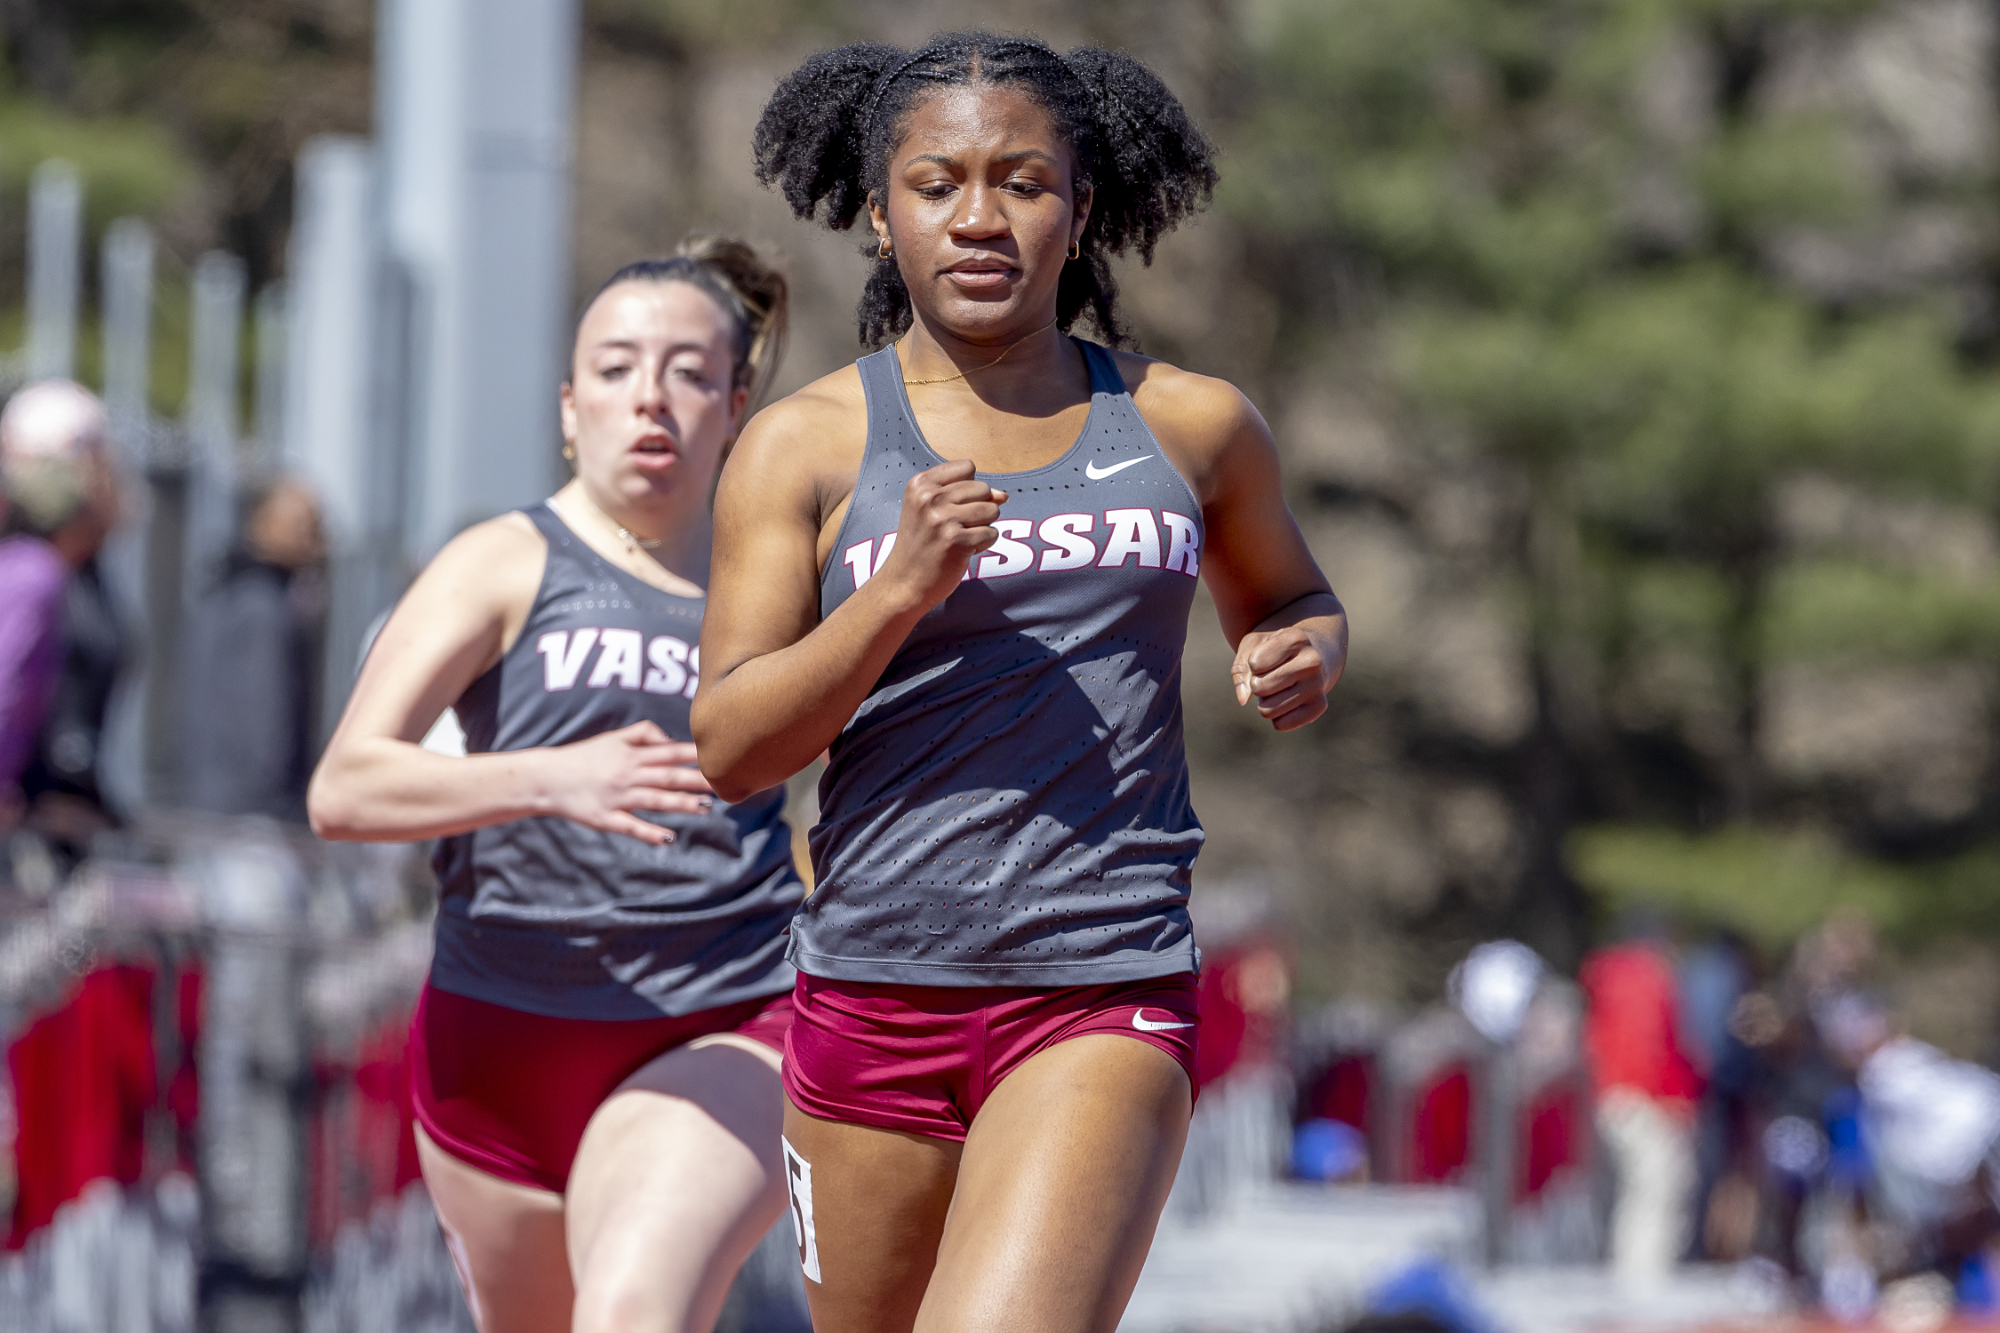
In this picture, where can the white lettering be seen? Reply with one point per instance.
(669, 670)
(1183, 548)
(562, 656)
(694, 672)
(1062, 530)
(620, 658)
(866, 561)
(1010, 553)
(1133, 532)
(857, 558)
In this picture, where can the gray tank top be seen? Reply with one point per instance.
(1009, 807)
(546, 915)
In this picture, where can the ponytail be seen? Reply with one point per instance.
(760, 288)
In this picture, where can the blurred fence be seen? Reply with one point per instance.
(208, 1106)
(227, 1125)
(206, 1097)
(1439, 1103)
(205, 1084)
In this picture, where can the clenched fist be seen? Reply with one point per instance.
(947, 519)
(1288, 672)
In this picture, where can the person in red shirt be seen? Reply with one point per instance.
(1646, 1094)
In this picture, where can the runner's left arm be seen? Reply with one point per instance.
(1276, 606)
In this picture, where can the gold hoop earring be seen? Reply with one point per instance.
(569, 452)
(1075, 249)
(883, 249)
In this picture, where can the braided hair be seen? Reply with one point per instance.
(828, 133)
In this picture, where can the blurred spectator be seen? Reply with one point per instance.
(1494, 986)
(1646, 1090)
(62, 491)
(251, 666)
(1932, 1127)
(31, 584)
(1831, 963)
(1330, 1151)
(1715, 975)
(1803, 1085)
(1428, 1296)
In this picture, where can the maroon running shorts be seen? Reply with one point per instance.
(924, 1059)
(510, 1092)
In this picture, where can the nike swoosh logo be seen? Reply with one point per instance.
(1091, 469)
(1145, 1024)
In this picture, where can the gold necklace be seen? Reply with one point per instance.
(946, 379)
(633, 543)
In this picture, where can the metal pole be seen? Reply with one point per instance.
(1496, 1149)
(268, 426)
(337, 433)
(126, 281)
(55, 262)
(250, 1138)
(475, 116)
(126, 278)
(215, 335)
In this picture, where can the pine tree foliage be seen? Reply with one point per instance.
(1651, 264)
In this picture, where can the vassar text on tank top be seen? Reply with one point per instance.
(1009, 806)
(552, 917)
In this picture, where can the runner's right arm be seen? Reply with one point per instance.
(778, 683)
(376, 782)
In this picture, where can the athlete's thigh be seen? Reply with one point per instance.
(678, 1176)
(506, 1241)
(878, 1201)
(1064, 1175)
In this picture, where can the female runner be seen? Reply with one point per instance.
(966, 565)
(594, 1060)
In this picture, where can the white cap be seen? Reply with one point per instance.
(54, 420)
(1494, 986)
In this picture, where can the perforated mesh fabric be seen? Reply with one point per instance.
(1009, 807)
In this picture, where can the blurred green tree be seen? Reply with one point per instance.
(1576, 232)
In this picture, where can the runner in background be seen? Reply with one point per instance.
(594, 1061)
(967, 564)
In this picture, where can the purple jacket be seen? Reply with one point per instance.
(31, 646)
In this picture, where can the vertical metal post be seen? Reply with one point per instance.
(267, 426)
(126, 284)
(55, 262)
(126, 280)
(215, 337)
(336, 432)
(250, 1139)
(1496, 1148)
(474, 112)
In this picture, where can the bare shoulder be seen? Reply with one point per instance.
(1198, 419)
(808, 443)
(1181, 396)
(498, 542)
(828, 416)
(495, 564)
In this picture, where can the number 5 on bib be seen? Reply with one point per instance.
(799, 1185)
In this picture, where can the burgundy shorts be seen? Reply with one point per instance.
(510, 1092)
(924, 1059)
